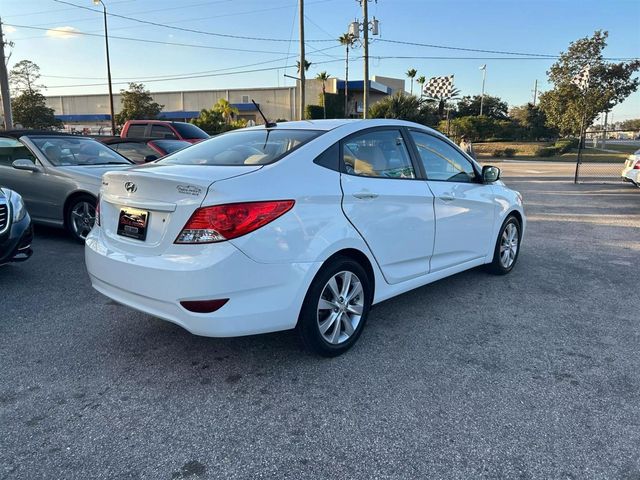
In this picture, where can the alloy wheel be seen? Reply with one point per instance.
(83, 216)
(340, 307)
(509, 245)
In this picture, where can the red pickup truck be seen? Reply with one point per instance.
(163, 129)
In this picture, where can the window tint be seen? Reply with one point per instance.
(187, 130)
(12, 150)
(380, 153)
(442, 161)
(160, 131)
(136, 130)
(330, 158)
(171, 146)
(242, 147)
(135, 151)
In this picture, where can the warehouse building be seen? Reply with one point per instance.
(90, 113)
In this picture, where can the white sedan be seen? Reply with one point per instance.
(301, 225)
(631, 170)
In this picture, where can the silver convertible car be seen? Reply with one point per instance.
(57, 175)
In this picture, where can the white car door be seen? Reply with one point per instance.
(386, 202)
(465, 207)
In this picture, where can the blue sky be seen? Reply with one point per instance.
(533, 26)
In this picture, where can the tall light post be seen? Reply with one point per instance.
(484, 77)
(106, 42)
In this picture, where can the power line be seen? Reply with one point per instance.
(186, 77)
(160, 42)
(182, 29)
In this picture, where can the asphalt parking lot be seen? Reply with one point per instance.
(531, 375)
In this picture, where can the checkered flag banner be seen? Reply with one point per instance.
(581, 79)
(439, 87)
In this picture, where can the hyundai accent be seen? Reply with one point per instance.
(300, 225)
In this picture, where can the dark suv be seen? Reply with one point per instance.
(16, 232)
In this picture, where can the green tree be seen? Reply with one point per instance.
(225, 109)
(421, 81)
(493, 107)
(411, 73)
(404, 107)
(610, 83)
(210, 120)
(137, 104)
(347, 40)
(29, 105)
(632, 124)
(532, 121)
(30, 110)
(323, 77)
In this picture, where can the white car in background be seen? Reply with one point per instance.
(300, 225)
(631, 170)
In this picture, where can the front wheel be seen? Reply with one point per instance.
(81, 215)
(507, 247)
(335, 308)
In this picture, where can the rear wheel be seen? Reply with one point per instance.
(335, 308)
(507, 247)
(80, 216)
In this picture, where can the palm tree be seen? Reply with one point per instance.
(323, 77)
(411, 73)
(348, 40)
(226, 110)
(421, 81)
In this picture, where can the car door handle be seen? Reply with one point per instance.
(365, 195)
(447, 197)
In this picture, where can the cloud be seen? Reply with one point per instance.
(62, 32)
(10, 29)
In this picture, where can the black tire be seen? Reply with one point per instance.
(309, 321)
(79, 233)
(497, 266)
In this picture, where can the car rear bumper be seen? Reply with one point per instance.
(262, 297)
(15, 245)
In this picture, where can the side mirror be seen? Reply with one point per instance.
(150, 158)
(26, 164)
(490, 174)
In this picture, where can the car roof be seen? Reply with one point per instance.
(326, 125)
(23, 132)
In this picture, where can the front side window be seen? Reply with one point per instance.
(441, 161)
(379, 153)
(242, 147)
(72, 150)
(12, 150)
(160, 131)
(136, 130)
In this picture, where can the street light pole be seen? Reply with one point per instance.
(484, 77)
(106, 42)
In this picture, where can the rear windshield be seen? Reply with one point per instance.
(186, 130)
(242, 147)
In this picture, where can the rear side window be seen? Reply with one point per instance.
(330, 158)
(243, 147)
(160, 131)
(136, 130)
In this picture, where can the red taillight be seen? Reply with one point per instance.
(224, 222)
(204, 306)
(637, 165)
(98, 211)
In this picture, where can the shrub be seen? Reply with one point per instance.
(566, 144)
(314, 112)
(509, 152)
(497, 153)
(547, 152)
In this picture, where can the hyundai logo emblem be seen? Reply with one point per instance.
(130, 187)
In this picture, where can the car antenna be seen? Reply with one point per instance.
(267, 123)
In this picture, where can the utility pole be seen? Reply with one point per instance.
(365, 50)
(484, 77)
(106, 41)
(302, 61)
(4, 86)
(535, 92)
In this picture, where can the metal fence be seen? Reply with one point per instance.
(603, 154)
